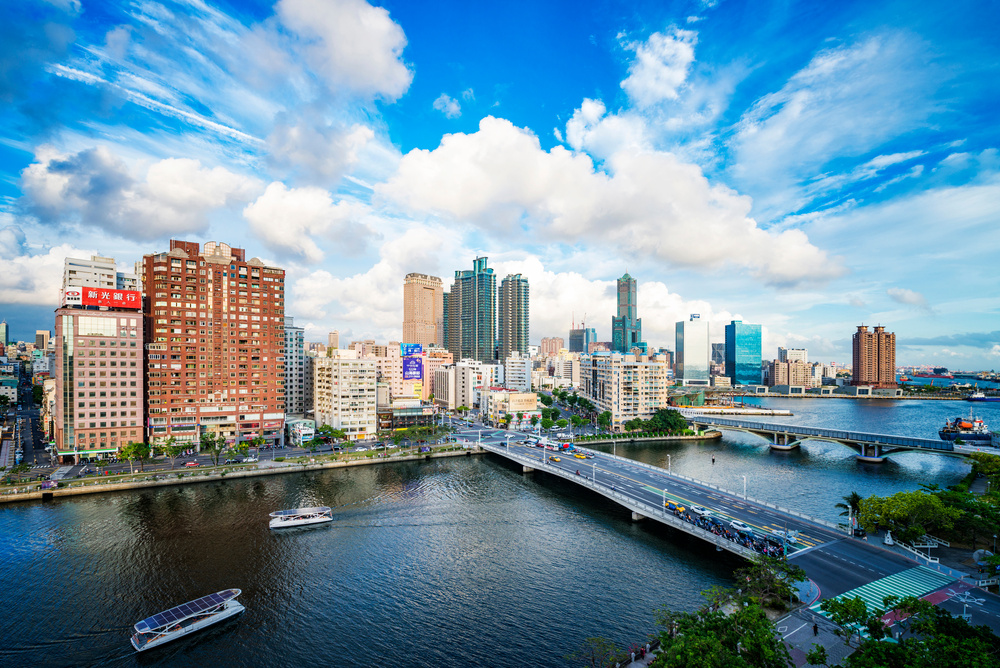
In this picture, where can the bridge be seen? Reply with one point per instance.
(870, 447)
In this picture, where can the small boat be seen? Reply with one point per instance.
(968, 429)
(187, 618)
(979, 396)
(297, 517)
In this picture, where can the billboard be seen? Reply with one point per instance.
(103, 297)
(408, 349)
(413, 368)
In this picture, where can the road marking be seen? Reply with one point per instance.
(788, 634)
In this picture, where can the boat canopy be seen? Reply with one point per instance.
(181, 612)
(301, 511)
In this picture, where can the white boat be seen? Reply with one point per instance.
(297, 517)
(187, 618)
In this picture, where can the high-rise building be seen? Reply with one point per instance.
(693, 351)
(344, 391)
(97, 272)
(514, 302)
(99, 385)
(551, 345)
(41, 339)
(719, 353)
(215, 337)
(743, 353)
(472, 313)
(295, 369)
(517, 372)
(874, 358)
(793, 355)
(626, 328)
(423, 310)
(333, 339)
(580, 339)
(626, 387)
(4, 333)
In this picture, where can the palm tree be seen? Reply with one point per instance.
(851, 505)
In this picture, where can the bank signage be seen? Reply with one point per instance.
(413, 368)
(131, 299)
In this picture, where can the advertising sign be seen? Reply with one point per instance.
(409, 349)
(73, 297)
(106, 297)
(413, 368)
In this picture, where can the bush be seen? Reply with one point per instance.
(279, 459)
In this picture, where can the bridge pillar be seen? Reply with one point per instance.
(871, 452)
(527, 469)
(637, 517)
(784, 444)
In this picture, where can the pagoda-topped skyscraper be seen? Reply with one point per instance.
(626, 328)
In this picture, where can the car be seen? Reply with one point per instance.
(191, 464)
(251, 458)
(700, 511)
(790, 536)
(361, 448)
(741, 527)
(555, 459)
(232, 461)
(590, 455)
(580, 455)
(674, 507)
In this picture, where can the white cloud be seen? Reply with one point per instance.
(34, 279)
(448, 106)
(846, 102)
(291, 220)
(646, 204)
(590, 130)
(98, 189)
(995, 351)
(469, 95)
(318, 151)
(350, 43)
(908, 297)
(660, 67)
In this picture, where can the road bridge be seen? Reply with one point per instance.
(870, 447)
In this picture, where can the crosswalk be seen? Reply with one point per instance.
(918, 581)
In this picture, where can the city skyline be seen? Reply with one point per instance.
(808, 170)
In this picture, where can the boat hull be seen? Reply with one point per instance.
(288, 524)
(982, 398)
(968, 438)
(232, 609)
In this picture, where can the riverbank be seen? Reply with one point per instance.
(775, 395)
(127, 482)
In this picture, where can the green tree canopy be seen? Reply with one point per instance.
(909, 515)
(547, 423)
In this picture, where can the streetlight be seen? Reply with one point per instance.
(664, 498)
(508, 442)
(668, 463)
(744, 488)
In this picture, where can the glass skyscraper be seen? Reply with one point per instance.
(693, 351)
(513, 316)
(743, 353)
(626, 328)
(472, 313)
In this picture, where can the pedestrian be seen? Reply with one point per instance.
(713, 459)
(815, 629)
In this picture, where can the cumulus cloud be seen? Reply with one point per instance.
(448, 106)
(908, 297)
(289, 220)
(660, 66)
(350, 43)
(600, 135)
(32, 279)
(646, 204)
(97, 189)
(316, 150)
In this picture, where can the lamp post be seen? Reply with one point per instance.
(668, 464)
(744, 488)
(664, 498)
(508, 442)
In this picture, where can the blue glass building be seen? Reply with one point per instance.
(743, 353)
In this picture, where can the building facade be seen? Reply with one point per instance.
(626, 327)
(580, 339)
(626, 387)
(423, 310)
(743, 353)
(692, 351)
(874, 358)
(517, 372)
(514, 324)
(793, 355)
(296, 376)
(472, 313)
(215, 337)
(344, 393)
(551, 345)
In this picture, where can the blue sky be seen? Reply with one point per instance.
(806, 166)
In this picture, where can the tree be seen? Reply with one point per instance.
(37, 394)
(909, 515)
(130, 453)
(851, 504)
(213, 444)
(554, 413)
(546, 413)
(572, 399)
(243, 447)
(667, 419)
(604, 419)
(594, 653)
(562, 423)
(770, 580)
(463, 409)
(577, 421)
(142, 453)
(547, 423)
(713, 639)
(4, 403)
(545, 399)
(172, 450)
(534, 420)
(635, 424)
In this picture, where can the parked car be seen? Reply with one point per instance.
(232, 460)
(251, 458)
(741, 527)
(191, 464)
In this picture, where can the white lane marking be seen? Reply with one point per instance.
(788, 634)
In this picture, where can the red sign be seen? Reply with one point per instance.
(112, 298)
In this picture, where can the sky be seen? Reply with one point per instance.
(806, 166)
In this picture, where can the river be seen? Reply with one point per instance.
(453, 562)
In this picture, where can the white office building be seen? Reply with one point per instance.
(344, 389)
(694, 351)
(517, 372)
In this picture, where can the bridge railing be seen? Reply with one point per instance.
(750, 499)
(636, 505)
(854, 436)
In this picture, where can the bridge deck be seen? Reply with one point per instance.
(830, 434)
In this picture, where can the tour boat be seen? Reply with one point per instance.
(297, 517)
(980, 396)
(187, 618)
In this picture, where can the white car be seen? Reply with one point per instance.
(790, 536)
(741, 527)
(700, 511)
